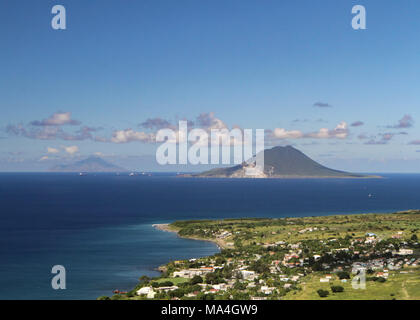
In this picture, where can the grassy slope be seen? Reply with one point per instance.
(398, 286)
(287, 229)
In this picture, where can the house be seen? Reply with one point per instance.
(192, 294)
(220, 286)
(267, 290)
(403, 252)
(370, 240)
(295, 278)
(144, 291)
(190, 273)
(248, 275)
(382, 275)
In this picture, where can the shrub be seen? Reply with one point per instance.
(343, 275)
(323, 293)
(337, 289)
(196, 279)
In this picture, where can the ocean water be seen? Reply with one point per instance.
(99, 227)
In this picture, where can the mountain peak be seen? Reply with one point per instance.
(282, 162)
(90, 164)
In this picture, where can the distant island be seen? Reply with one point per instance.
(281, 162)
(91, 164)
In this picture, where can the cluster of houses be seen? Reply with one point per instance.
(362, 251)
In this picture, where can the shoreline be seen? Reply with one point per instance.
(221, 243)
(166, 228)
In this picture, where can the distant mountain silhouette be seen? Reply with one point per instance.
(91, 164)
(281, 162)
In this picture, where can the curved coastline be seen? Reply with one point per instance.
(167, 228)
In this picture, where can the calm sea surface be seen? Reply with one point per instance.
(100, 226)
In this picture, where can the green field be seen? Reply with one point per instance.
(398, 286)
(175, 281)
(287, 229)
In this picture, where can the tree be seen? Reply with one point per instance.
(213, 278)
(220, 260)
(240, 285)
(259, 267)
(240, 296)
(337, 289)
(414, 237)
(196, 279)
(323, 293)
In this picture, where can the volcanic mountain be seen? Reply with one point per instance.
(91, 164)
(281, 162)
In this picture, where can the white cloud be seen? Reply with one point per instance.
(52, 150)
(129, 135)
(340, 132)
(72, 149)
(43, 158)
(208, 121)
(57, 119)
(281, 133)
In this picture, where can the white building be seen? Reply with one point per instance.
(248, 275)
(144, 290)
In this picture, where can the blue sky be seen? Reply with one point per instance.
(254, 64)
